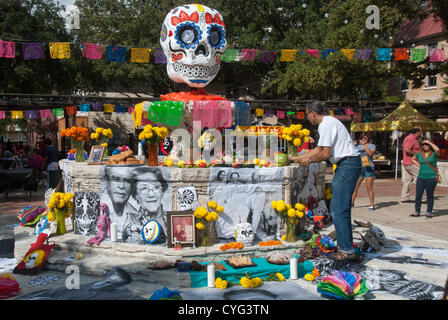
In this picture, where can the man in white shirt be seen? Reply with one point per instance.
(336, 145)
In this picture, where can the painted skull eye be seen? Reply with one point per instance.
(216, 36)
(188, 35)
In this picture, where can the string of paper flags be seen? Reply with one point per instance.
(92, 51)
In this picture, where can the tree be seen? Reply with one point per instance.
(33, 20)
(440, 9)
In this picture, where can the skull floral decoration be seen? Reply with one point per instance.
(193, 39)
(244, 233)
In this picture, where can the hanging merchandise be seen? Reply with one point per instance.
(401, 54)
(259, 112)
(349, 53)
(7, 49)
(60, 50)
(242, 113)
(33, 50)
(229, 55)
(266, 56)
(418, 54)
(249, 54)
(45, 113)
(121, 109)
(2, 114)
(140, 55)
(331, 112)
(59, 112)
(213, 114)
(437, 55)
(327, 52)
(71, 110)
(363, 54)
(301, 115)
(269, 113)
(137, 114)
(288, 55)
(30, 114)
(349, 111)
(280, 114)
(116, 54)
(166, 112)
(131, 109)
(16, 114)
(312, 52)
(92, 51)
(160, 57)
(84, 107)
(383, 54)
(97, 106)
(109, 107)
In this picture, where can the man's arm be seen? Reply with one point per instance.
(318, 154)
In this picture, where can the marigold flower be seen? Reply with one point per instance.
(316, 273)
(200, 225)
(280, 276)
(212, 204)
(309, 277)
(220, 209)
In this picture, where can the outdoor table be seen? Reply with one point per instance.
(16, 179)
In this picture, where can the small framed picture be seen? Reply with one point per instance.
(96, 154)
(181, 228)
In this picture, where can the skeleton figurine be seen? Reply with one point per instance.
(244, 233)
(193, 39)
(102, 225)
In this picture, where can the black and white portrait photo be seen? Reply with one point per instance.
(87, 209)
(136, 195)
(246, 195)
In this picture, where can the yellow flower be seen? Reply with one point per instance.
(148, 135)
(98, 131)
(280, 276)
(300, 214)
(245, 282)
(284, 238)
(104, 144)
(291, 213)
(281, 206)
(61, 204)
(220, 209)
(200, 225)
(256, 282)
(141, 136)
(297, 142)
(299, 206)
(309, 277)
(51, 216)
(256, 161)
(200, 212)
(274, 205)
(68, 196)
(288, 138)
(212, 204)
(306, 139)
(147, 128)
(288, 206)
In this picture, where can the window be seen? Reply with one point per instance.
(431, 81)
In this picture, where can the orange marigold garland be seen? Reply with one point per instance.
(231, 245)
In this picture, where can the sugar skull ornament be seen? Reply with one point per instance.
(151, 231)
(244, 233)
(193, 39)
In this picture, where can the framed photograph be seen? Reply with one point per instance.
(96, 154)
(181, 228)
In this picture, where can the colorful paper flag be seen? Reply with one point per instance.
(71, 110)
(2, 114)
(30, 114)
(121, 109)
(327, 52)
(280, 114)
(33, 50)
(97, 106)
(92, 51)
(84, 107)
(312, 52)
(109, 107)
(383, 54)
(401, 54)
(266, 56)
(418, 54)
(60, 50)
(7, 49)
(259, 112)
(116, 54)
(288, 55)
(229, 55)
(249, 54)
(160, 57)
(363, 54)
(16, 114)
(45, 113)
(349, 53)
(140, 55)
(437, 55)
(58, 113)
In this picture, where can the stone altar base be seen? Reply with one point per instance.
(143, 262)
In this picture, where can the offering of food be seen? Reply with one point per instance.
(278, 257)
(124, 158)
(240, 261)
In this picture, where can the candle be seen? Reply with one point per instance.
(293, 268)
(113, 232)
(140, 149)
(211, 275)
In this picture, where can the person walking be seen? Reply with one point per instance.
(411, 147)
(336, 145)
(366, 150)
(426, 161)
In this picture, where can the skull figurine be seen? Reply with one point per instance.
(193, 39)
(244, 233)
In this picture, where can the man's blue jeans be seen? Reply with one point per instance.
(425, 184)
(344, 182)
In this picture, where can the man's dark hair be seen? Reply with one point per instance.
(415, 130)
(316, 106)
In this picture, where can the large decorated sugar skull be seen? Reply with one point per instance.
(244, 233)
(193, 39)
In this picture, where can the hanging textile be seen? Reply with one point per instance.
(160, 57)
(121, 109)
(383, 54)
(7, 49)
(131, 109)
(312, 52)
(259, 112)
(418, 54)
(349, 111)
(437, 55)
(137, 114)
(16, 114)
(60, 50)
(45, 113)
(33, 50)
(401, 54)
(140, 55)
(229, 55)
(269, 113)
(301, 115)
(249, 54)
(280, 114)
(331, 112)
(71, 110)
(2, 114)
(97, 106)
(116, 54)
(213, 114)
(363, 54)
(30, 114)
(166, 112)
(59, 112)
(266, 56)
(327, 52)
(109, 107)
(84, 107)
(288, 55)
(242, 113)
(349, 53)
(92, 51)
